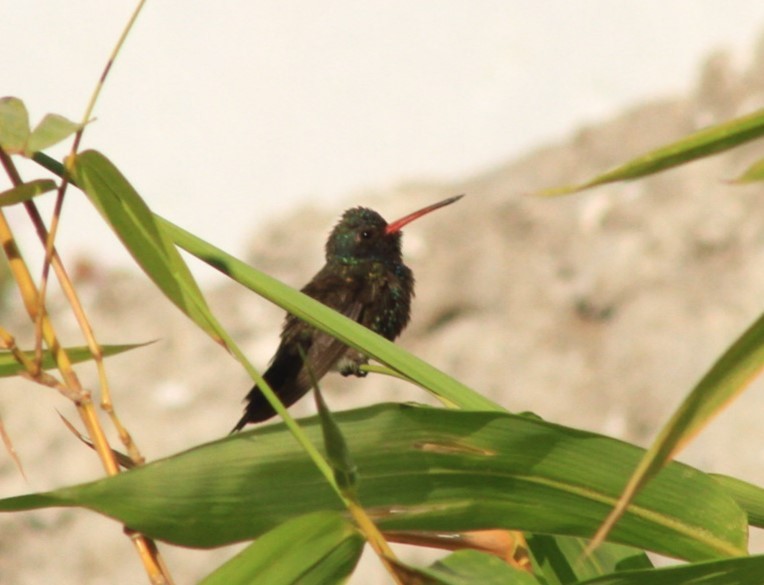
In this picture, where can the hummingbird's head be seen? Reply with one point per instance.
(360, 235)
(363, 234)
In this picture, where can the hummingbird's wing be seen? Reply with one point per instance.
(305, 353)
(344, 295)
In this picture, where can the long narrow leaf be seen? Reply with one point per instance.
(726, 379)
(10, 367)
(332, 322)
(421, 469)
(698, 145)
(741, 571)
(132, 220)
(26, 191)
(752, 174)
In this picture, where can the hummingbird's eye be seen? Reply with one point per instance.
(365, 234)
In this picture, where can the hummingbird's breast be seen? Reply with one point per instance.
(389, 291)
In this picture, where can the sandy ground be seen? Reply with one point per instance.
(597, 311)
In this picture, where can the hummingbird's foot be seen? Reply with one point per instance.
(350, 364)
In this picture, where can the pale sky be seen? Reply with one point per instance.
(225, 114)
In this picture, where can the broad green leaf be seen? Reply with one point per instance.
(26, 191)
(752, 174)
(421, 469)
(14, 125)
(704, 143)
(748, 496)
(727, 378)
(739, 571)
(51, 130)
(10, 367)
(132, 220)
(320, 548)
(328, 320)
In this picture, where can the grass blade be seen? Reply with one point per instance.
(726, 379)
(9, 366)
(741, 571)
(326, 319)
(704, 143)
(752, 174)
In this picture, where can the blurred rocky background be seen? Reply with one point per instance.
(599, 311)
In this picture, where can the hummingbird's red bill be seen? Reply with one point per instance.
(397, 225)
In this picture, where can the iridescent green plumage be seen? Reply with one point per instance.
(365, 279)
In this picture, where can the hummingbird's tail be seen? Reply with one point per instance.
(285, 376)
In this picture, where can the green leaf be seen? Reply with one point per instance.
(51, 130)
(26, 191)
(320, 548)
(326, 319)
(564, 559)
(698, 145)
(752, 174)
(14, 125)
(740, 571)
(10, 367)
(727, 378)
(468, 568)
(748, 496)
(337, 451)
(137, 228)
(422, 469)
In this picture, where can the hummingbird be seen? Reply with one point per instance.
(365, 279)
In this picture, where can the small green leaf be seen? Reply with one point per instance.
(51, 130)
(565, 558)
(752, 174)
(26, 191)
(316, 549)
(695, 146)
(14, 125)
(10, 367)
(337, 451)
(469, 567)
